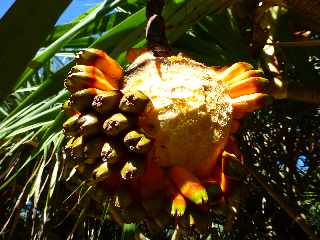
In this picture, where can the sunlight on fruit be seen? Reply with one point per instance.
(166, 134)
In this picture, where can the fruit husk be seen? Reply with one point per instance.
(68, 109)
(177, 202)
(101, 173)
(71, 126)
(106, 102)
(133, 102)
(233, 71)
(89, 124)
(248, 86)
(93, 148)
(132, 169)
(249, 103)
(77, 149)
(116, 124)
(81, 100)
(111, 153)
(137, 142)
(87, 69)
(178, 205)
(68, 147)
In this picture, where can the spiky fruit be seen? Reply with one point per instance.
(81, 100)
(137, 142)
(133, 102)
(188, 106)
(71, 126)
(116, 124)
(102, 172)
(111, 153)
(166, 134)
(132, 169)
(106, 102)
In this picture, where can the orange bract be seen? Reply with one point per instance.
(102, 61)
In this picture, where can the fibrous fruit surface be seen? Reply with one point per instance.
(189, 113)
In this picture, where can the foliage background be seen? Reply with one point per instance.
(281, 143)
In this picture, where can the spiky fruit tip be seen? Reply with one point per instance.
(178, 206)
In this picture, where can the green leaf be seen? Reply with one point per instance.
(28, 128)
(118, 33)
(45, 55)
(32, 23)
(60, 30)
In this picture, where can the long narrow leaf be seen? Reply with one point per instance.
(63, 40)
(28, 128)
(60, 30)
(28, 120)
(32, 22)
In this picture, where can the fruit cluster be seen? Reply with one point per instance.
(158, 138)
(102, 130)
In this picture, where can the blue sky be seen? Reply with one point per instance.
(75, 8)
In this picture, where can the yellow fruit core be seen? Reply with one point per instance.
(192, 112)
